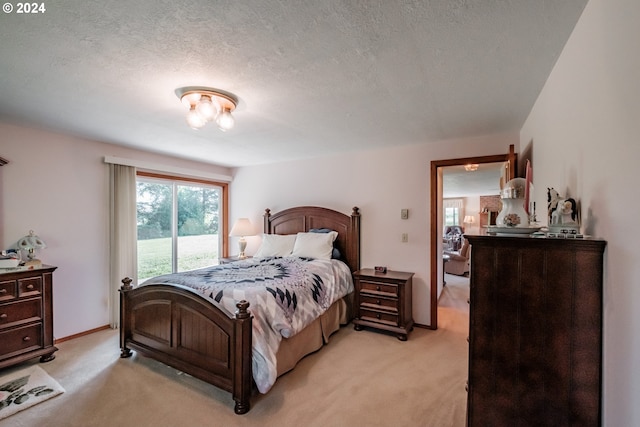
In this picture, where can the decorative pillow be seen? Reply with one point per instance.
(314, 245)
(276, 245)
(335, 254)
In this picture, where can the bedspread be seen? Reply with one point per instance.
(285, 294)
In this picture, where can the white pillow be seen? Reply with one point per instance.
(276, 245)
(314, 245)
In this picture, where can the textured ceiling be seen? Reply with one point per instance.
(457, 182)
(314, 77)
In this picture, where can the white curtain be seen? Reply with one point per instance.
(123, 239)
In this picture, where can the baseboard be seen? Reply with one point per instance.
(419, 325)
(81, 334)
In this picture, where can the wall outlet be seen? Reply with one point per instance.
(405, 237)
(404, 213)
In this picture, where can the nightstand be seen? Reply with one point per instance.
(384, 301)
(26, 315)
(227, 260)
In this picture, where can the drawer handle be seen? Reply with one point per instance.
(29, 287)
(377, 288)
(378, 316)
(378, 301)
(3, 316)
(26, 339)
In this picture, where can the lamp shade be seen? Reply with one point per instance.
(469, 219)
(241, 228)
(30, 242)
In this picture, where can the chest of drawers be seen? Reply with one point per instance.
(535, 331)
(384, 301)
(26, 315)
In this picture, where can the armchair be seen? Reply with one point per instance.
(452, 236)
(458, 260)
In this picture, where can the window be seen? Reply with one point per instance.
(453, 211)
(180, 224)
(451, 216)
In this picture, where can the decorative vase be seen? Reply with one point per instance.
(513, 213)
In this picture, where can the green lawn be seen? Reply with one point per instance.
(154, 255)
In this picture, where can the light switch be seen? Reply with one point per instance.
(404, 214)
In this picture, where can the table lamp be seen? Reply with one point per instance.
(30, 243)
(242, 228)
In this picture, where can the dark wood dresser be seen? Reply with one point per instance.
(535, 331)
(26, 315)
(384, 301)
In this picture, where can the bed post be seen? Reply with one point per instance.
(125, 327)
(354, 245)
(267, 222)
(243, 374)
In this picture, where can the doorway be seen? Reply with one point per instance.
(436, 213)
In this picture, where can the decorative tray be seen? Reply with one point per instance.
(494, 229)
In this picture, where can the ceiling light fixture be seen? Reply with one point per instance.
(471, 167)
(206, 104)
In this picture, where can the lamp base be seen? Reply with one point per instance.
(242, 245)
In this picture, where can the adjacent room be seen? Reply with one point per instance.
(276, 213)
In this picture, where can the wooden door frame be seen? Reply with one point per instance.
(510, 157)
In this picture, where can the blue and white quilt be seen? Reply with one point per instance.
(286, 294)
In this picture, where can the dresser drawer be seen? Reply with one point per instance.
(30, 287)
(16, 313)
(377, 303)
(379, 316)
(8, 290)
(20, 340)
(378, 288)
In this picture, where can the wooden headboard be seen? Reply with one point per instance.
(304, 218)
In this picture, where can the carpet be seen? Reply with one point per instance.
(22, 389)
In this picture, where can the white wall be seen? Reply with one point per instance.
(584, 131)
(58, 186)
(380, 182)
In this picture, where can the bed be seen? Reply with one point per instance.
(179, 326)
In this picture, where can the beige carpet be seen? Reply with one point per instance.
(360, 379)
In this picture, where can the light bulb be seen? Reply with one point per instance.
(190, 99)
(194, 119)
(206, 108)
(225, 120)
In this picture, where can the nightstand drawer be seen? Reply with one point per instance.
(20, 312)
(378, 288)
(379, 316)
(30, 287)
(376, 303)
(8, 290)
(21, 340)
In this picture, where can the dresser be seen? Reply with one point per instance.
(535, 331)
(26, 315)
(384, 301)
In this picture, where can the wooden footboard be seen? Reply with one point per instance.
(178, 327)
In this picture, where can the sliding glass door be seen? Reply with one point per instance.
(179, 225)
